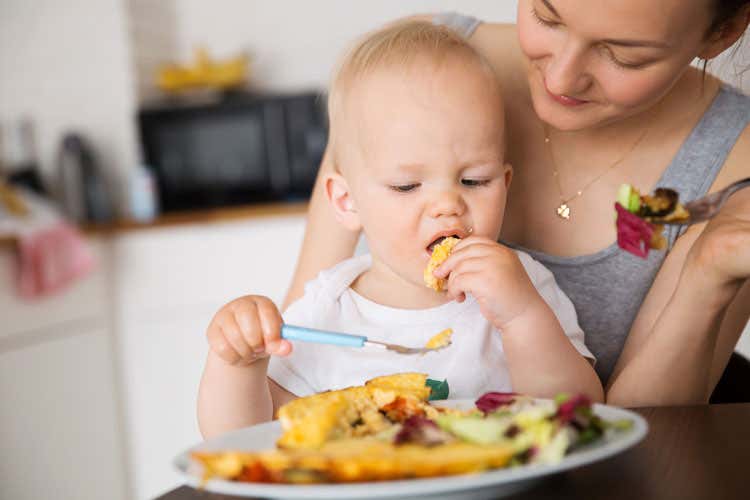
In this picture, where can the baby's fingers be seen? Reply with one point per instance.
(221, 346)
(271, 321)
(238, 332)
(463, 249)
(251, 331)
(461, 282)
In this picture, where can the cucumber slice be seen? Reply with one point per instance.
(629, 198)
(623, 195)
(635, 202)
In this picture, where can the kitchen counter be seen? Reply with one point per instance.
(204, 216)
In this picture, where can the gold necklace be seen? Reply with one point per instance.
(563, 210)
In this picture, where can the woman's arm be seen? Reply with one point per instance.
(696, 309)
(326, 242)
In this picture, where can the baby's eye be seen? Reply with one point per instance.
(404, 188)
(475, 182)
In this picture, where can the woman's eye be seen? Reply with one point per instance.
(620, 63)
(404, 188)
(543, 21)
(475, 182)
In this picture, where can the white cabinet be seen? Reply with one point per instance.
(169, 283)
(58, 420)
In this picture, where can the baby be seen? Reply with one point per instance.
(418, 153)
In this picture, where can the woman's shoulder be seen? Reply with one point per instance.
(497, 42)
(731, 113)
(735, 165)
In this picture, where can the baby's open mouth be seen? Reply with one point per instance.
(438, 240)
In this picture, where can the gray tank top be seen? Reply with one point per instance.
(608, 287)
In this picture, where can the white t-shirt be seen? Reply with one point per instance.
(472, 365)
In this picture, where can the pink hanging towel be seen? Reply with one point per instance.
(50, 259)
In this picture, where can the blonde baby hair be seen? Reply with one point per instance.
(397, 45)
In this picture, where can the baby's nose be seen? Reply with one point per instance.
(447, 204)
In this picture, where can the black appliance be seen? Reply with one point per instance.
(240, 149)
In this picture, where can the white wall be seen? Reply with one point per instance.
(66, 65)
(295, 44)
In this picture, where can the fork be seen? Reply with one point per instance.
(291, 332)
(704, 208)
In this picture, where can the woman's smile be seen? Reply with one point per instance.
(565, 100)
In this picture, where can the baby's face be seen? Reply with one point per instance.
(424, 158)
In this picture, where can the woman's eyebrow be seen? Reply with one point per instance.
(621, 43)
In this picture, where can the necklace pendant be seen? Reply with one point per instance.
(563, 211)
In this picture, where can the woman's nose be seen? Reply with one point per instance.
(566, 72)
(447, 204)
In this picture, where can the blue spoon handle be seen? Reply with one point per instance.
(291, 332)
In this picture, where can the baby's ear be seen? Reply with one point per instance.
(508, 174)
(339, 195)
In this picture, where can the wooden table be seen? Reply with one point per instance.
(694, 452)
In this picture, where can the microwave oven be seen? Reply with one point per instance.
(237, 150)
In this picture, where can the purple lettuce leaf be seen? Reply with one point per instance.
(420, 430)
(633, 233)
(491, 401)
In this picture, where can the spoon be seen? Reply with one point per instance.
(291, 332)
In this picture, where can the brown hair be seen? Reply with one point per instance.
(724, 10)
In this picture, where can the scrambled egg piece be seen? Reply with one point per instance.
(354, 460)
(311, 421)
(442, 339)
(440, 252)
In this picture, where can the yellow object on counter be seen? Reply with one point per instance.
(204, 72)
(11, 201)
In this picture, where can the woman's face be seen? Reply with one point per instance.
(595, 62)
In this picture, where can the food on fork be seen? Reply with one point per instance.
(439, 340)
(387, 430)
(638, 217)
(440, 251)
(663, 205)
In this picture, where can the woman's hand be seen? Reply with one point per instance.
(690, 321)
(494, 275)
(720, 256)
(247, 329)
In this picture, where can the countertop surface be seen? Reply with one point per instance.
(203, 216)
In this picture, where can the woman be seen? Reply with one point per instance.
(600, 94)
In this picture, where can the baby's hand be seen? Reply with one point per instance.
(494, 275)
(247, 329)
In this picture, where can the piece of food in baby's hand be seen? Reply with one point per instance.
(638, 217)
(440, 252)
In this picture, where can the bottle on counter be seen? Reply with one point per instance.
(83, 193)
(143, 198)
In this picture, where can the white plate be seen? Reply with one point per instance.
(491, 484)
